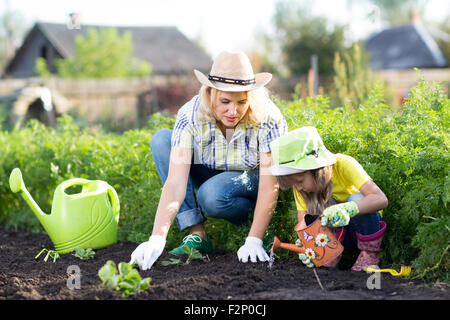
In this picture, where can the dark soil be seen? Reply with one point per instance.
(221, 277)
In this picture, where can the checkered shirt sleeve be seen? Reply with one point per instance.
(183, 131)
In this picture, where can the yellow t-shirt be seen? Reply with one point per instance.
(347, 177)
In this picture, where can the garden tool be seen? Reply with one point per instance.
(88, 219)
(404, 271)
(318, 243)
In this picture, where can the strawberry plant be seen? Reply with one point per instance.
(84, 254)
(123, 278)
(193, 254)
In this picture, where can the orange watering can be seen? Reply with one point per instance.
(317, 242)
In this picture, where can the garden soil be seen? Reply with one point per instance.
(219, 277)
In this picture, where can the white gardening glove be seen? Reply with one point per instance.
(252, 247)
(147, 252)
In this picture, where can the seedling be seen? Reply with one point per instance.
(50, 253)
(193, 254)
(84, 254)
(123, 279)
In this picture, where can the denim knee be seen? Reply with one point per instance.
(216, 203)
(367, 223)
(161, 139)
(208, 201)
(205, 200)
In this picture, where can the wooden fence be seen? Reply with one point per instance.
(401, 81)
(128, 103)
(121, 102)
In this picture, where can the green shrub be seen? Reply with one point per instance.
(405, 151)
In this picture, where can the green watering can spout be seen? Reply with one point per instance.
(17, 185)
(88, 219)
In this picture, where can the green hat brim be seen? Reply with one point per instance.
(311, 162)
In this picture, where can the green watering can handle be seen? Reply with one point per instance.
(111, 191)
(73, 182)
(114, 201)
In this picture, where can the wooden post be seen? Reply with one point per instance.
(314, 71)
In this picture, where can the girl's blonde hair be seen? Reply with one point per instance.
(256, 112)
(317, 201)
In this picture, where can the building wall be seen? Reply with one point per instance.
(401, 81)
(130, 101)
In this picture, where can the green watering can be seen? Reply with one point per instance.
(88, 219)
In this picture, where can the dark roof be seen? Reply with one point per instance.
(404, 47)
(166, 48)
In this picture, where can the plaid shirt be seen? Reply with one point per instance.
(213, 150)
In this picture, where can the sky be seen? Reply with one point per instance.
(218, 24)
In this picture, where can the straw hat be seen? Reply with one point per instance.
(298, 151)
(232, 71)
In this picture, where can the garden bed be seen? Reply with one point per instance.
(221, 277)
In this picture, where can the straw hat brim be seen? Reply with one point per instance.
(261, 79)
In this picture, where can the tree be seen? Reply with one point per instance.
(103, 54)
(12, 30)
(353, 79)
(443, 40)
(301, 35)
(396, 12)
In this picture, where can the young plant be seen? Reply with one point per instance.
(50, 253)
(84, 254)
(193, 254)
(123, 279)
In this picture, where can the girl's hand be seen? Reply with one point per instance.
(306, 261)
(339, 215)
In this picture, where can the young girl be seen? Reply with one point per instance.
(335, 187)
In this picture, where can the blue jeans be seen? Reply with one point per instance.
(229, 195)
(364, 224)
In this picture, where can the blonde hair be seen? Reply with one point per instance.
(256, 112)
(317, 201)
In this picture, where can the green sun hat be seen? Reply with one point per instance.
(299, 150)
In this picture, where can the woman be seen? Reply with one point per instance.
(334, 186)
(220, 147)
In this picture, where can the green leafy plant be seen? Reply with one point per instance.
(99, 54)
(404, 150)
(123, 278)
(50, 253)
(193, 254)
(84, 254)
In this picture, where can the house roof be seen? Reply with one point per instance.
(165, 47)
(404, 47)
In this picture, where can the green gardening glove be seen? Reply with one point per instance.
(339, 215)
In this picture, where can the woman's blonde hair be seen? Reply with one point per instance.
(256, 112)
(317, 201)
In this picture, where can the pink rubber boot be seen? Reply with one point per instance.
(370, 246)
(340, 235)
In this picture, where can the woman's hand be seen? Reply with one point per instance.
(253, 248)
(148, 252)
